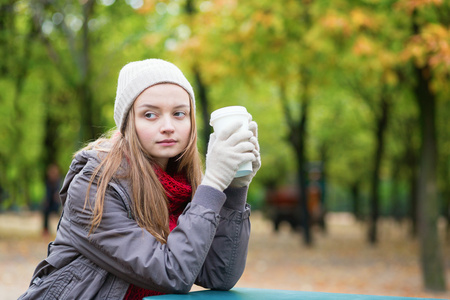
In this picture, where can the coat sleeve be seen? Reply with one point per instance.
(227, 255)
(131, 253)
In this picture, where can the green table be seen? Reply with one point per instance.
(262, 294)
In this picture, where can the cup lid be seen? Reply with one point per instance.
(228, 110)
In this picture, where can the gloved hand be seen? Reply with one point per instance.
(256, 164)
(226, 151)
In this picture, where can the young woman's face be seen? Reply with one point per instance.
(162, 120)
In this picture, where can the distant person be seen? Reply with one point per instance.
(139, 218)
(51, 203)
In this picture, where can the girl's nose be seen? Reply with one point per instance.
(167, 125)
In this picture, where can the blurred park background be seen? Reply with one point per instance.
(352, 99)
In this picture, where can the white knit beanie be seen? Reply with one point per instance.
(137, 76)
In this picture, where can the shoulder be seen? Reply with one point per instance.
(98, 153)
(85, 157)
(87, 162)
(83, 163)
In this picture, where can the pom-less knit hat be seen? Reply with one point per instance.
(137, 76)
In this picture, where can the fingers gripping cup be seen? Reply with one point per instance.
(226, 115)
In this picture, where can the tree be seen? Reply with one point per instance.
(17, 37)
(202, 88)
(368, 49)
(428, 49)
(77, 69)
(404, 141)
(50, 80)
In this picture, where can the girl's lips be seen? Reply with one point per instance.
(167, 142)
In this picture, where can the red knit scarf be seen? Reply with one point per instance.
(178, 192)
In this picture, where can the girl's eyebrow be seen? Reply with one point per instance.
(182, 106)
(146, 105)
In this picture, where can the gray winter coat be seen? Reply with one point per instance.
(208, 247)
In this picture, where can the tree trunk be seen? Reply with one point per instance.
(323, 185)
(21, 191)
(202, 98)
(395, 209)
(202, 88)
(428, 205)
(50, 140)
(413, 194)
(88, 130)
(302, 182)
(299, 132)
(446, 197)
(411, 162)
(297, 138)
(375, 197)
(432, 261)
(355, 191)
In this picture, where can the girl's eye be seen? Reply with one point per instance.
(180, 114)
(150, 115)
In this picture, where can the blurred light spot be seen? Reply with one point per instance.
(21, 6)
(107, 2)
(170, 44)
(161, 8)
(47, 27)
(205, 6)
(173, 8)
(183, 31)
(57, 18)
(135, 4)
(74, 22)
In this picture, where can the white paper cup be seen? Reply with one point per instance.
(230, 114)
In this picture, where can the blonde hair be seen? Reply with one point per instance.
(149, 202)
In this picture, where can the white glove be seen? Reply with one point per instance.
(256, 164)
(226, 151)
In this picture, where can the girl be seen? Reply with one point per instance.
(139, 219)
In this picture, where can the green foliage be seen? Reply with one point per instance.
(336, 64)
(245, 51)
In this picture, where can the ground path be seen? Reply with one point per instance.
(341, 261)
